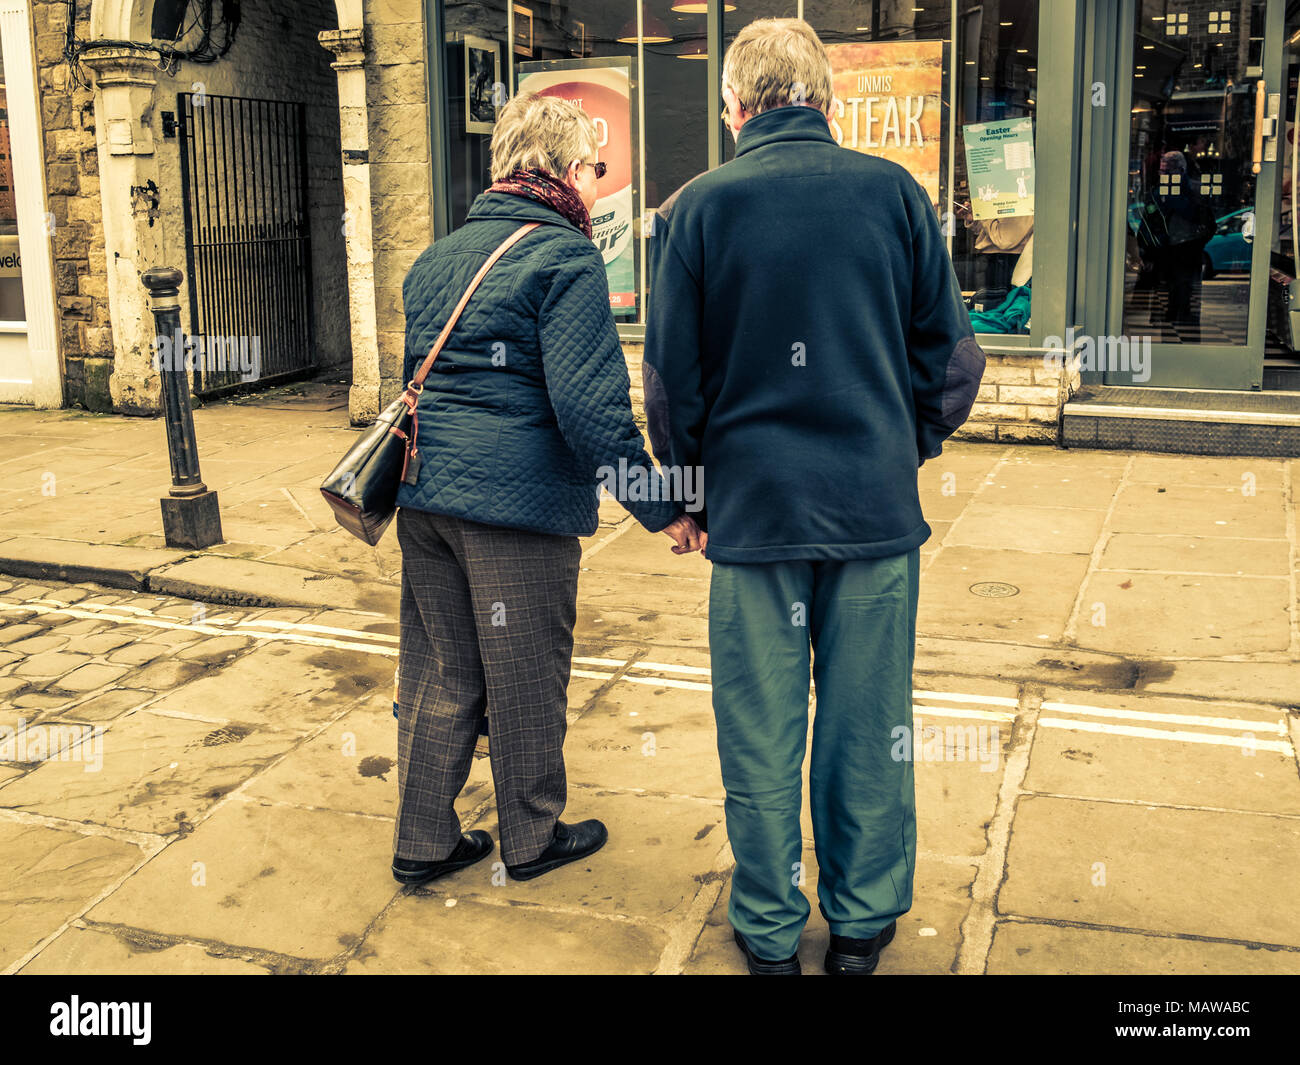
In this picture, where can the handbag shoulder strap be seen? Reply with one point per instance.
(417, 382)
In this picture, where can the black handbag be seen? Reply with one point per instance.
(362, 489)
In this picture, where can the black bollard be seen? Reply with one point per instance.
(190, 513)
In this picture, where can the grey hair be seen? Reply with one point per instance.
(774, 62)
(542, 132)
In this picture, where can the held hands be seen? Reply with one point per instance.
(687, 535)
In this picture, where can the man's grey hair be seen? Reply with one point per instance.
(774, 62)
(542, 132)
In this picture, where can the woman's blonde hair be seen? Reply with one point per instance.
(542, 132)
(778, 61)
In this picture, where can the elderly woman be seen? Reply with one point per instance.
(525, 403)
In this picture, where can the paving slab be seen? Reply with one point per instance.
(1047, 485)
(1062, 530)
(943, 507)
(1047, 585)
(423, 934)
(109, 704)
(1157, 874)
(1199, 510)
(661, 739)
(603, 624)
(351, 766)
(1021, 948)
(92, 952)
(1164, 614)
(1173, 751)
(1234, 471)
(48, 876)
(271, 877)
(286, 686)
(156, 773)
(1173, 552)
(683, 596)
(1270, 682)
(653, 866)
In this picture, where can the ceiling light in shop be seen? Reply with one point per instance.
(696, 7)
(652, 32)
(699, 51)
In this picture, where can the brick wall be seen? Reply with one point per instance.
(1019, 401)
(72, 187)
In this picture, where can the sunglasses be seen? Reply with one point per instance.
(600, 169)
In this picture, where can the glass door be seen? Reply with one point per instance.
(1206, 85)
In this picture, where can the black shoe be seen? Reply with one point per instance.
(759, 967)
(570, 843)
(473, 847)
(858, 957)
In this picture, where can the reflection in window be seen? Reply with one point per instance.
(993, 205)
(1192, 191)
(653, 120)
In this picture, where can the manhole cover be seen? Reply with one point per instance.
(994, 589)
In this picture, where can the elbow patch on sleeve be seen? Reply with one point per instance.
(656, 411)
(961, 382)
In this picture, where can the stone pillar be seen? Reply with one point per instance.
(129, 190)
(348, 45)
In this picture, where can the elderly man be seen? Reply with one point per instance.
(807, 345)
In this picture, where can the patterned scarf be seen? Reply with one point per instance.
(550, 190)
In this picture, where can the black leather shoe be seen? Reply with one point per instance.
(759, 967)
(570, 843)
(858, 957)
(473, 847)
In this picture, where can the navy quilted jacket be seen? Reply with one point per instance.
(528, 400)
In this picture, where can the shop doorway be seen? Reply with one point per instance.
(1201, 114)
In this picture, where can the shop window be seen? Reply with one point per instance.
(898, 83)
(11, 275)
(644, 82)
(993, 164)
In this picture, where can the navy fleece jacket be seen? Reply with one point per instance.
(806, 346)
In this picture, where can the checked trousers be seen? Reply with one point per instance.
(487, 616)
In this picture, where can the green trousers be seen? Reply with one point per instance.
(856, 620)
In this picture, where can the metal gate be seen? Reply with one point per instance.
(247, 239)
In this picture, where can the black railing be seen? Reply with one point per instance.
(247, 239)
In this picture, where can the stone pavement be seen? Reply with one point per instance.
(1107, 703)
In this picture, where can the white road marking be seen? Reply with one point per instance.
(1240, 742)
(961, 697)
(979, 715)
(384, 644)
(1239, 724)
(668, 682)
(206, 629)
(666, 667)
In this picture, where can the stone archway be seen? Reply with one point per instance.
(126, 92)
